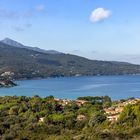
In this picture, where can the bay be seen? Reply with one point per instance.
(117, 87)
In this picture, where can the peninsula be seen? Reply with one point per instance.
(6, 83)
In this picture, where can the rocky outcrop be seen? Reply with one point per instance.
(6, 83)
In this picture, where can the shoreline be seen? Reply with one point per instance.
(41, 78)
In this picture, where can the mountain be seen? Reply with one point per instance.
(26, 63)
(14, 43)
(11, 42)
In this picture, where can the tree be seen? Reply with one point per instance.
(106, 101)
(14, 110)
(97, 119)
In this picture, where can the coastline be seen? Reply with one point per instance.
(98, 75)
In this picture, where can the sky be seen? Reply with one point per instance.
(96, 29)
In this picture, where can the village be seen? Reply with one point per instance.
(112, 113)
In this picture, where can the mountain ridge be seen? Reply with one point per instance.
(26, 63)
(14, 43)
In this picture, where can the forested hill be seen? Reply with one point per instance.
(26, 63)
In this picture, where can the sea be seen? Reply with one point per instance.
(117, 87)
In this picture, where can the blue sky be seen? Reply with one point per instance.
(97, 29)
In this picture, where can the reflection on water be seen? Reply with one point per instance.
(93, 86)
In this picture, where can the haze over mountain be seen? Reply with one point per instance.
(14, 43)
(26, 62)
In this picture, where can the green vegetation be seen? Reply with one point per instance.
(25, 63)
(35, 118)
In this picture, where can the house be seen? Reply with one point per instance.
(114, 111)
(118, 109)
(81, 117)
(110, 110)
(80, 102)
(113, 118)
(41, 120)
(56, 99)
(65, 102)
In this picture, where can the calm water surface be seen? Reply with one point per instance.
(117, 87)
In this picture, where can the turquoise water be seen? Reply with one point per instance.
(117, 87)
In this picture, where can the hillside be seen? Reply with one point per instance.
(49, 118)
(26, 63)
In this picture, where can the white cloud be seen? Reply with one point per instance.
(40, 8)
(100, 14)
